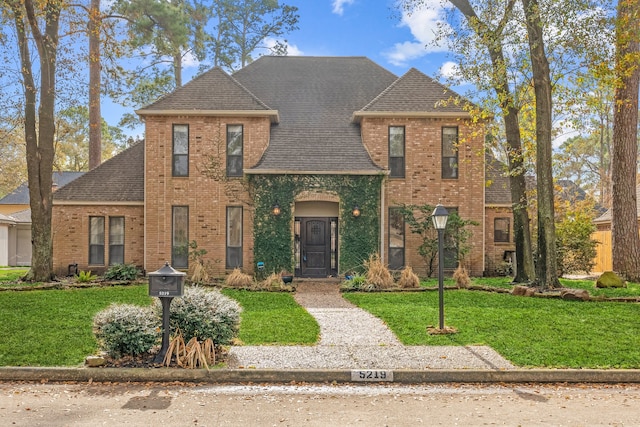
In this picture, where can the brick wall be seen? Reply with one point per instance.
(70, 232)
(206, 197)
(423, 183)
(494, 255)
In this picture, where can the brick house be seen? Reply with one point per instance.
(298, 163)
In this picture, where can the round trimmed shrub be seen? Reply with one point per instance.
(126, 329)
(203, 314)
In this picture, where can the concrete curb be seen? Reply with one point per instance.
(316, 376)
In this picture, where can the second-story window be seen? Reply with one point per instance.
(234, 150)
(449, 152)
(180, 150)
(396, 151)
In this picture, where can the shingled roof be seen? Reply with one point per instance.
(415, 92)
(20, 196)
(214, 92)
(498, 190)
(315, 98)
(119, 179)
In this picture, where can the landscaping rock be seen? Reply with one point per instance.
(575, 294)
(94, 361)
(609, 279)
(524, 291)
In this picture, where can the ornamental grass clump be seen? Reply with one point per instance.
(408, 279)
(126, 329)
(203, 314)
(378, 274)
(238, 279)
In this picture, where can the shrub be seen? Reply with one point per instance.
(378, 274)
(126, 329)
(238, 279)
(408, 279)
(358, 282)
(203, 314)
(461, 276)
(85, 276)
(126, 272)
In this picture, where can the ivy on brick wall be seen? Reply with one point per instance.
(273, 239)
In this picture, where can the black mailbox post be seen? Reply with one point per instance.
(165, 283)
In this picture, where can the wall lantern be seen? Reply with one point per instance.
(439, 217)
(356, 211)
(275, 209)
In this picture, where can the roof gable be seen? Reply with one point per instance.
(213, 90)
(419, 93)
(119, 179)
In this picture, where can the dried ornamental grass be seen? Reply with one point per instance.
(408, 279)
(238, 279)
(461, 276)
(191, 355)
(274, 281)
(378, 274)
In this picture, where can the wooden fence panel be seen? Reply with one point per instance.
(604, 259)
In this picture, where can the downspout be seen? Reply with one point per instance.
(382, 181)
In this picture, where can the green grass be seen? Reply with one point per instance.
(531, 332)
(12, 274)
(53, 327)
(273, 318)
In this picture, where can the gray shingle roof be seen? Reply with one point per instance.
(315, 98)
(498, 190)
(214, 90)
(416, 92)
(119, 179)
(607, 215)
(20, 196)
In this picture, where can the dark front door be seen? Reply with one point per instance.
(315, 239)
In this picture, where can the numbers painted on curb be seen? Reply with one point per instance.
(371, 375)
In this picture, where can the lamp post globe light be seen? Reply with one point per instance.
(439, 217)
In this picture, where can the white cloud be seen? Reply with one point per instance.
(292, 49)
(423, 23)
(450, 70)
(338, 6)
(190, 61)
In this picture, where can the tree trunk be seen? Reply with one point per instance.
(39, 144)
(546, 266)
(95, 86)
(177, 68)
(493, 41)
(624, 223)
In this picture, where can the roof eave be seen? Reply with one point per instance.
(273, 115)
(312, 172)
(358, 115)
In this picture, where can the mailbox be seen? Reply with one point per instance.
(166, 282)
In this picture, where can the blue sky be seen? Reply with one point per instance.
(371, 28)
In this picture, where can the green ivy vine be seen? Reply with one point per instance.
(273, 239)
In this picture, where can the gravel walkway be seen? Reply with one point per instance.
(351, 338)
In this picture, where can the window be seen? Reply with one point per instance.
(396, 151)
(116, 240)
(502, 230)
(234, 236)
(234, 150)
(396, 239)
(180, 150)
(180, 237)
(450, 152)
(96, 240)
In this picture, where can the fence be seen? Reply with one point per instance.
(604, 259)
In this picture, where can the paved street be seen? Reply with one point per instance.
(52, 405)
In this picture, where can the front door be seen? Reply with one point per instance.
(316, 245)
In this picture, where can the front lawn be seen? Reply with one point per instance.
(531, 332)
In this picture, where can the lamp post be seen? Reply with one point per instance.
(439, 217)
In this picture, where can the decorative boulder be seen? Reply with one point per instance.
(575, 294)
(609, 279)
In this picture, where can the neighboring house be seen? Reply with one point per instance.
(602, 235)
(15, 221)
(498, 223)
(296, 162)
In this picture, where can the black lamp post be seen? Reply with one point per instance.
(439, 217)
